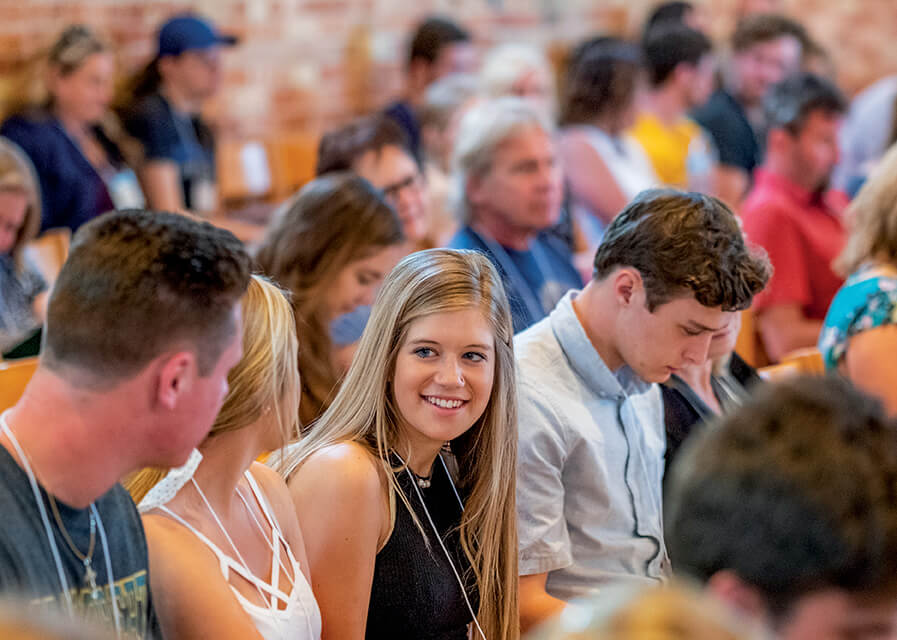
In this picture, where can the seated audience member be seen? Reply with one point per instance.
(398, 545)
(178, 167)
(859, 336)
(697, 393)
(508, 185)
(255, 582)
(680, 68)
(867, 133)
(445, 103)
(515, 69)
(23, 297)
(765, 49)
(376, 149)
(792, 214)
(605, 167)
(438, 47)
(331, 246)
(81, 169)
(142, 327)
(669, 613)
(787, 511)
(671, 272)
(676, 12)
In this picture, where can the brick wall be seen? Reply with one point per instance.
(306, 64)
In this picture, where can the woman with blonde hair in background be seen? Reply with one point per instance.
(405, 486)
(64, 124)
(227, 555)
(859, 335)
(331, 246)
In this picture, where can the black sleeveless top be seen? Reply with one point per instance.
(415, 594)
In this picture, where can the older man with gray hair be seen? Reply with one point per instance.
(509, 192)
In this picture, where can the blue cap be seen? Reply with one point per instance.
(188, 31)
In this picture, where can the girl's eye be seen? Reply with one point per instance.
(473, 356)
(424, 352)
(690, 333)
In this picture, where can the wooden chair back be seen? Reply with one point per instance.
(14, 376)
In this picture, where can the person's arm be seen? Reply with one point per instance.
(161, 184)
(542, 525)
(39, 306)
(784, 328)
(191, 597)
(340, 498)
(871, 364)
(590, 180)
(539, 605)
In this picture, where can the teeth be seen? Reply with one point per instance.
(445, 404)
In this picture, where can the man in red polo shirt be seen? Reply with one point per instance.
(792, 214)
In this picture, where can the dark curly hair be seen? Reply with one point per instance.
(684, 243)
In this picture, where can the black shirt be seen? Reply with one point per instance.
(726, 121)
(415, 593)
(27, 567)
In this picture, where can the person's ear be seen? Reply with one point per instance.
(729, 588)
(176, 376)
(779, 139)
(627, 284)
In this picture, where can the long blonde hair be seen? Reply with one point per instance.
(364, 411)
(265, 378)
(873, 219)
(17, 174)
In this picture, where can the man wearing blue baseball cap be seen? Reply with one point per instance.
(178, 169)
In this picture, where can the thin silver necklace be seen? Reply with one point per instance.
(51, 539)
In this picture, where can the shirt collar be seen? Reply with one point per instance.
(766, 179)
(585, 360)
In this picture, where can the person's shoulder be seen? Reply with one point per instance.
(28, 129)
(347, 468)
(465, 239)
(716, 111)
(538, 352)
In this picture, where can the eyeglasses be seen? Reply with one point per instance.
(392, 191)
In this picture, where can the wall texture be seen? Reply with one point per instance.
(305, 64)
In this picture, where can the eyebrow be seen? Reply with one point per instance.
(434, 342)
(700, 327)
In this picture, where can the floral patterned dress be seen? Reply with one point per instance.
(867, 300)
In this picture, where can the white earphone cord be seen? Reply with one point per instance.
(439, 537)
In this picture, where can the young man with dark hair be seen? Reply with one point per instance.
(438, 47)
(787, 510)
(680, 67)
(765, 49)
(792, 213)
(672, 13)
(671, 272)
(142, 328)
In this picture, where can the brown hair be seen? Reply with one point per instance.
(339, 150)
(765, 27)
(601, 81)
(873, 219)
(333, 221)
(17, 174)
(684, 243)
(137, 282)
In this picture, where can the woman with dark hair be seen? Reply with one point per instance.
(331, 246)
(178, 169)
(64, 127)
(605, 168)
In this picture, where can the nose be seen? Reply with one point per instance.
(697, 349)
(365, 297)
(449, 373)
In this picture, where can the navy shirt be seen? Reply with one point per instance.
(72, 192)
(403, 115)
(535, 280)
(169, 135)
(726, 121)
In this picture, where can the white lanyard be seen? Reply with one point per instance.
(439, 537)
(52, 539)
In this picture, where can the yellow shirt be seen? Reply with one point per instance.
(680, 154)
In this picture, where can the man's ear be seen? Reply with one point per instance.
(729, 588)
(176, 375)
(627, 285)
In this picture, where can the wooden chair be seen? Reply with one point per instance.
(293, 160)
(802, 361)
(14, 376)
(748, 344)
(243, 171)
(48, 252)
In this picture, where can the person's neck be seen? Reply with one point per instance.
(607, 124)
(225, 458)
(506, 234)
(667, 104)
(77, 444)
(73, 125)
(697, 377)
(786, 170)
(419, 453)
(179, 100)
(591, 307)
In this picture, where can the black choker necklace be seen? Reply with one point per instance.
(422, 481)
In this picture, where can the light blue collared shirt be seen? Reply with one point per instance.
(590, 463)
